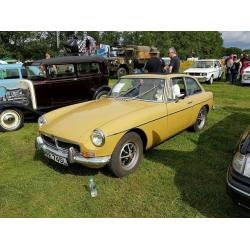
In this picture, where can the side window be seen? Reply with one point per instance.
(62, 70)
(88, 68)
(94, 68)
(10, 74)
(192, 86)
(176, 88)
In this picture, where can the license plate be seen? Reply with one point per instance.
(56, 158)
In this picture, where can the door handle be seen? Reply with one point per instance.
(190, 102)
(75, 79)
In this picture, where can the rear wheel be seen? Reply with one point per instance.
(101, 94)
(121, 72)
(127, 155)
(201, 120)
(11, 120)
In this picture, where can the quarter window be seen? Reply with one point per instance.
(88, 68)
(192, 86)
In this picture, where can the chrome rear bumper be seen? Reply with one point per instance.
(71, 155)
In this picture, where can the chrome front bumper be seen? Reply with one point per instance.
(71, 155)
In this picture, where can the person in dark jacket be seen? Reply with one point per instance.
(153, 65)
(174, 62)
(235, 69)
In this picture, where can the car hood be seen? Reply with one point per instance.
(199, 70)
(78, 121)
(246, 70)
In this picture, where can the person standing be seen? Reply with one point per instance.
(229, 64)
(235, 69)
(153, 65)
(174, 61)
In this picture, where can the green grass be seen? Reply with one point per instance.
(182, 177)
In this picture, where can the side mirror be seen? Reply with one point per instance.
(179, 97)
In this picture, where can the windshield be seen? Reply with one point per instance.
(36, 72)
(150, 89)
(203, 64)
(117, 52)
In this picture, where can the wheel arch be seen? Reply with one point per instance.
(143, 136)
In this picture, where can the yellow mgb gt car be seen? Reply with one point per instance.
(140, 112)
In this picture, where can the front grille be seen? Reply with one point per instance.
(240, 178)
(58, 144)
(194, 74)
(49, 141)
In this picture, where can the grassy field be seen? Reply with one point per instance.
(182, 177)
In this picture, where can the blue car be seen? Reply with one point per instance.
(11, 74)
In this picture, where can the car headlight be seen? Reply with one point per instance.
(239, 162)
(98, 137)
(247, 167)
(42, 121)
(203, 74)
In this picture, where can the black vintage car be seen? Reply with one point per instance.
(53, 83)
(238, 178)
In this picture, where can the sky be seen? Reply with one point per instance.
(240, 39)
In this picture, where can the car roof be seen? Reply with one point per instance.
(68, 59)
(11, 66)
(160, 76)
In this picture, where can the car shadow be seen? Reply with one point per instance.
(73, 169)
(200, 175)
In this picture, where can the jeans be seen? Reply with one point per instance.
(234, 77)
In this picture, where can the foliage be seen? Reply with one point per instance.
(231, 50)
(34, 44)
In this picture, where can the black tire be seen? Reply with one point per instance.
(101, 94)
(11, 120)
(130, 145)
(201, 120)
(211, 80)
(121, 72)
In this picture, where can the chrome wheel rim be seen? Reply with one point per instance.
(10, 119)
(201, 119)
(129, 155)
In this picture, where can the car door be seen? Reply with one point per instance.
(63, 81)
(89, 78)
(194, 93)
(179, 106)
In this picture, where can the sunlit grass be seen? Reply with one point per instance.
(182, 177)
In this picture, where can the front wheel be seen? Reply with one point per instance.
(211, 80)
(127, 155)
(201, 120)
(11, 120)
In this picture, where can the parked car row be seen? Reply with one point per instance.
(49, 84)
(138, 113)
